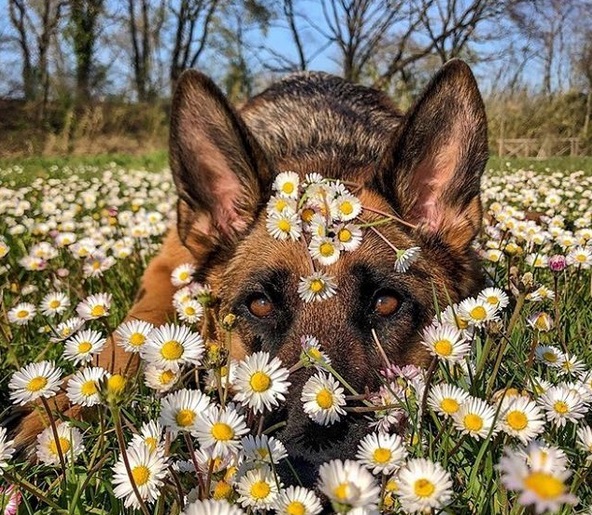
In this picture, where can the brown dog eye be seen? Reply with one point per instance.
(385, 304)
(260, 306)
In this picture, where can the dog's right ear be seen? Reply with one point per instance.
(218, 167)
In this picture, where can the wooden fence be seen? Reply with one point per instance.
(538, 148)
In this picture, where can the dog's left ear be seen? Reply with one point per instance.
(432, 172)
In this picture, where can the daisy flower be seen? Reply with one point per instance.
(220, 429)
(543, 488)
(84, 386)
(446, 399)
(150, 435)
(495, 297)
(348, 483)
(257, 489)
(323, 398)
(262, 448)
(69, 441)
(312, 353)
(94, 306)
(260, 383)
(562, 405)
(54, 304)
(381, 452)
(349, 237)
(182, 275)
(477, 312)
(277, 204)
(181, 410)
(22, 313)
(190, 312)
(34, 381)
(475, 418)
(583, 442)
(284, 226)
(4, 248)
(405, 258)
(540, 321)
(522, 418)
(345, 207)
(160, 379)
(97, 263)
(423, 485)
(325, 250)
(317, 286)
(445, 342)
(570, 365)
(548, 355)
(148, 470)
(81, 347)
(171, 346)
(296, 500)
(286, 184)
(6, 449)
(580, 257)
(132, 335)
(212, 507)
(66, 329)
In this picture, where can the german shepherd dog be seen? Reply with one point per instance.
(423, 167)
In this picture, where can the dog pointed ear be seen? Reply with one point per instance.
(218, 167)
(432, 173)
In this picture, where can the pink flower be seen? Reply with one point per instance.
(10, 498)
(557, 263)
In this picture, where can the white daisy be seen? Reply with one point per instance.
(323, 398)
(445, 342)
(160, 379)
(22, 313)
(69, 441)
(286, 184)
(584, 440)
(446, 399)
(54, 304)
(34, 381)
(325, 250)
(405, 258)
(183, 274)
(278, 203)
(345, 207)
(132, 335)
(522, 418)
(182, 410)
(150, 435)
(94, 306)
(580, 257)
(317, 286)
(348, 483)
(212, 507)
(190, 312)
(494, 296)
(475, 418)
(81, 347)
(381, 452)
(562, 405)
(260, 383)
(171, 346)
(84, 387)
(423, 486)
(549, 355)
(312, 354)
(220, 429)
(6, 449)
(66, 329)
(349, 237)
(477, 312)
(257, 489)
(296, 500)
(284, 226)
(148, 470)
(262, 449)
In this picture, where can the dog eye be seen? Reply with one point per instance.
(260, 306)
(385, 303)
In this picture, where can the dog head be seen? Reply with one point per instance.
(425, 170)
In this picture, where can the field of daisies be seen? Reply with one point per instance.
(499, 423)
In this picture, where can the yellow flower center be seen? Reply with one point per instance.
(443, 347)
(382, 455)
(295, 508)
(151, 443)
(326, 249)
(324, 399)
(183, 276)
(561, 407)
(344, 235)
(88, 388)
(544, 485)
(185, 417)
(260, 382)
(461, 323)
(54, 304)
(423, 487)
(493, 300)
(260, 490)
(315, 353)
(449, 406)
(22, 313)
(166, 377)
(116, 383)
(64, 446)
(346, 207)
(37, 383)
(84, 347)
(473, 422)
(280, 205)
(391, 486)
(98, 310)
(141, 474)
(341, 491)
(137, 340)
(581, 258)
(222, 432)
(288, 188)
(96, 265)
(307, 214)
(316, 285)
(478, 313)
(284, 225)
(517, 420)
(549, 356)
(263, 453)
(189, 311)
(222, 490)
(172, 350)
